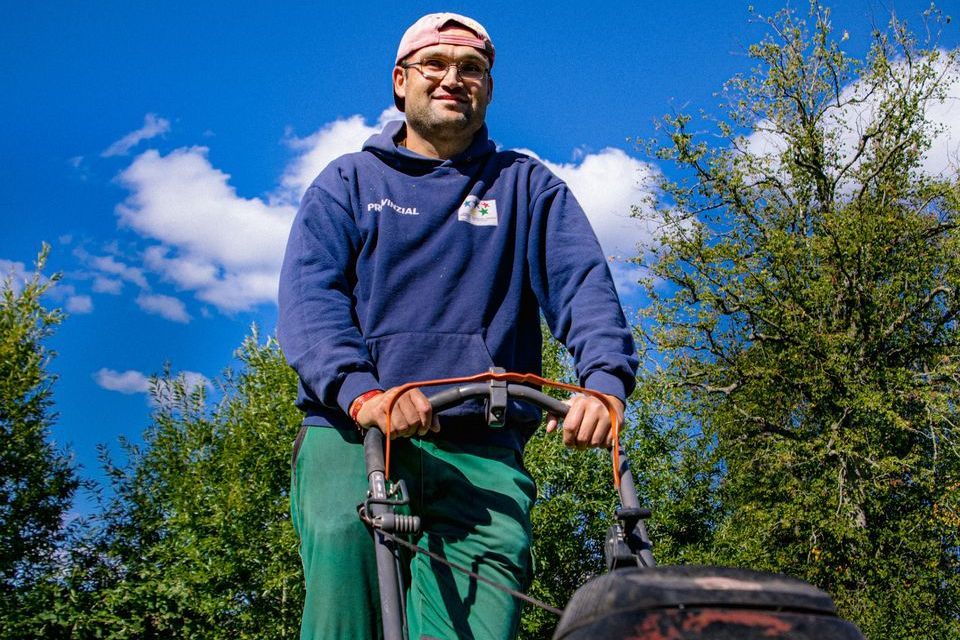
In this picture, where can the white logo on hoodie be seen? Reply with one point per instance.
(387, 202)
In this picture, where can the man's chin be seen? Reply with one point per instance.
(451, 112)
(454, 121)
(445, 123)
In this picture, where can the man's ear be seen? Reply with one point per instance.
(489, 89)
(400, 82)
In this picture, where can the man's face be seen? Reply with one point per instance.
(450, 107)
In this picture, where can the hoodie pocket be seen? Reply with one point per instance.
(410, 356)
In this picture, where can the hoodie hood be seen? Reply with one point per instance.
(384, 145)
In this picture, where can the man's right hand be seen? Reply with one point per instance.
(411, 415)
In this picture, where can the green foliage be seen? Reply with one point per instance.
(37, 482)
(196, 542)
(805, 302)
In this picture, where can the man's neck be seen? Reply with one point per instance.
(441, 148)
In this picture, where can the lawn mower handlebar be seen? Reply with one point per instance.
(455, 395)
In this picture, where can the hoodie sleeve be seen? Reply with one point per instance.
(575, 289)
(317, 326)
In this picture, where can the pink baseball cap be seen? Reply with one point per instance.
(428, 31)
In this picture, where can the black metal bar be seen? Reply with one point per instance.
(455, 395)
(391, 598)
(630, 500)
(538, 398)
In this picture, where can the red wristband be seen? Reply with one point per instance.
(357, 403)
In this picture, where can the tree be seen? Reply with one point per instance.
(195, 541)
(804, 302)
(37, 482)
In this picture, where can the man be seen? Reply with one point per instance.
(430, 255)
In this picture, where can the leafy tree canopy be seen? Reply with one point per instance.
(805, 296)
(37, 482)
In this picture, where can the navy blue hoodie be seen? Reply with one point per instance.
(401, 267)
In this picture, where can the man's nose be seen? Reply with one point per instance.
(452, 76)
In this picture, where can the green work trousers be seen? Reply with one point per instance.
(474, 502)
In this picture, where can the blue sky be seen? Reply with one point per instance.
(160, 148)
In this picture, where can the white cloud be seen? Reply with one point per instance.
(846, 125)
(227, 290)
(132, 381)
(79, 304)
(193, 380)
(107, 285)
(163, 388)
(943, 157)
(110, 265)
(330, 142)
(13, 275)
(607, 185)
(183, 201)
(212, 241)
(81, 167)
(188, 272)
(849, 123)
(125, 382)
(225, 248)
(243, 290)
(165, 306)
(153, 126)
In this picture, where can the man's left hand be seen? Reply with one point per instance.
(587, 423)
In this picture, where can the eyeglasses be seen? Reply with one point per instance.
(436, 69)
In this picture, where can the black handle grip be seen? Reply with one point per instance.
(373, 450)
(455, 395)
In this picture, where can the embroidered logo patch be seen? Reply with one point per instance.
(482, 213)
